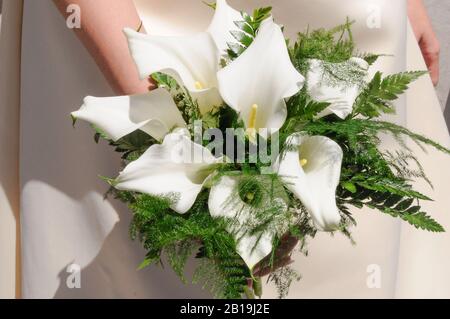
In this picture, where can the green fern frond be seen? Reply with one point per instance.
(423, 221)
(378, 95)
(334, 45)
(371, 58)
(397, 130)
(393, 204)
(248, 29)
(212, 5)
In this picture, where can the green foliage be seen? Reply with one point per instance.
(406, 165)
(371, 58)
(377, 97)
(188, 107)
(334, 45)
(265, 195)
(303, 109)
(401, 206)
(399, 131)
(283, 278)
(131, 146)
(212, 5)
(161, 230)
(370, 177)
(422, 221)
(248, 29)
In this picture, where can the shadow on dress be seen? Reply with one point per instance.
(151, 282)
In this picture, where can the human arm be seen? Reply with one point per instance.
(426, 37)
(102, 22)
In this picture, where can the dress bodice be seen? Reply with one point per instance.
(376, 22)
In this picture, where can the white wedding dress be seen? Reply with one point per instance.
(65, 220)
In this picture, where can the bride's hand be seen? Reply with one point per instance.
(102, 22)
(282, 257)
(426, 37)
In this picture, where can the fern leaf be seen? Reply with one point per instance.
(423, 221)
(378, 95)
(248, 29)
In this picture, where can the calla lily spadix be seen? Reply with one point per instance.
(222, 23)
(170, 169)
(154, 113)
(258, 81)
(341, 89)
(310, 168)
(251, 247)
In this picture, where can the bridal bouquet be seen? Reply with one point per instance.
(251, 144)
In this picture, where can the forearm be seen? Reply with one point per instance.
(426, 37)
(102, 22)
(418, 15)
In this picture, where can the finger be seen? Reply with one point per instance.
(432, 61)
(287, 245)
(286, 261)
(430, 48)
(433, 67)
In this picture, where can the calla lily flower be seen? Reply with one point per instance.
(154, 113)
(337, 84)
(222, 23)
(251, 247)
(258, 81)
(192, 60)
(310, 169)
(170, 169)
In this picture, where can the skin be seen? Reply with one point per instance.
(102, 22)
(426, 37)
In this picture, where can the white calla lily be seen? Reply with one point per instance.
(154, 113)
(310, 169)
(336, 83)
(192, 60)
(251, 247)
(170, 169)
(222, 23)
(258, 81)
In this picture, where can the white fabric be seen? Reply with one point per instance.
(65, 219)
(424, 258)
(9, 145)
